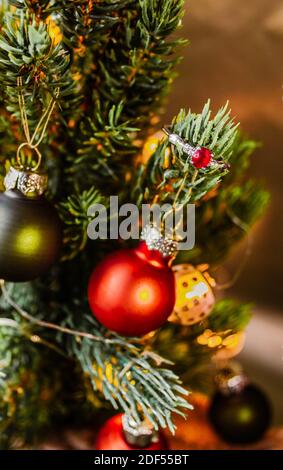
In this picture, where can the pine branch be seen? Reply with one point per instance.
(159, 19)
(85, 22)
(129, 376)
(26, 51)
(74, 213)
(136, 67)
(229, 210)
(106, 73)
(105, 145)
(41, 9)
(132, 379)
(163, 179)
(28, 387)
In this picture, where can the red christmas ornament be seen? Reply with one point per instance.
(132, 291)
(111, 437)
(202, 157)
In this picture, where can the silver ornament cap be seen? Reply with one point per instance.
(140, 435)
(154, 240)
(28, 182)
(230, 381)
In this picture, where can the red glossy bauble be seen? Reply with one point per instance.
(132, 291)
(111, 437)
(202, 158)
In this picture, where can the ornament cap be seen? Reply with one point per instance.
(154, 240)
(230, 381)
(140, 435)
(27, 181)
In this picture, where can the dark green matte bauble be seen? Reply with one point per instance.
(241, 417)
(30, 236)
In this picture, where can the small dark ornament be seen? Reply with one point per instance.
(30, 228)
(241, 414)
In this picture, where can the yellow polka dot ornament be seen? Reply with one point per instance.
(194, 294)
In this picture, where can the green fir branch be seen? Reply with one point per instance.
(26, 51)
(74, 213)
(122, 369)
(178, 182)
(84, 23)
(229, 211)
(106, 144)
(132, 378)
(41, 9)
(139, 70)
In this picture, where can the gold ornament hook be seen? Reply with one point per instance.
(40, 128)
(33, 147)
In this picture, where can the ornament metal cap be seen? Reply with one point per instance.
(140, 435)
(156, 241)
(230, 381)
(28, 182)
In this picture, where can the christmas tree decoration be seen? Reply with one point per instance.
(31, 231)
(231, 346)
(239, 411)
(199, 157)
(87, 81)
(226, 343)
(210, 339)
(194, 295)
(132, 291)
(121, 433)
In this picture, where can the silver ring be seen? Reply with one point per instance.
(190, 150)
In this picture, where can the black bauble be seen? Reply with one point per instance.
(242, 417)
(30, 236)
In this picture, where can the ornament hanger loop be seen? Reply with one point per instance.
(35, 149)
(40, 128)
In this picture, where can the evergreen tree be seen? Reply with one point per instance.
(103, 69)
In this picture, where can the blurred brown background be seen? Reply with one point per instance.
(236, 53)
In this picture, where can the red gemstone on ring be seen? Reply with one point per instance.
(202, 157)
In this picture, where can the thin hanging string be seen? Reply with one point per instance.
(180, 189)
(42, 124)
(46, 116)
(22, 107)
(52, 326)
(242, 225)
(194, 177)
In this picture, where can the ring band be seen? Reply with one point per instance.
(190, 150)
